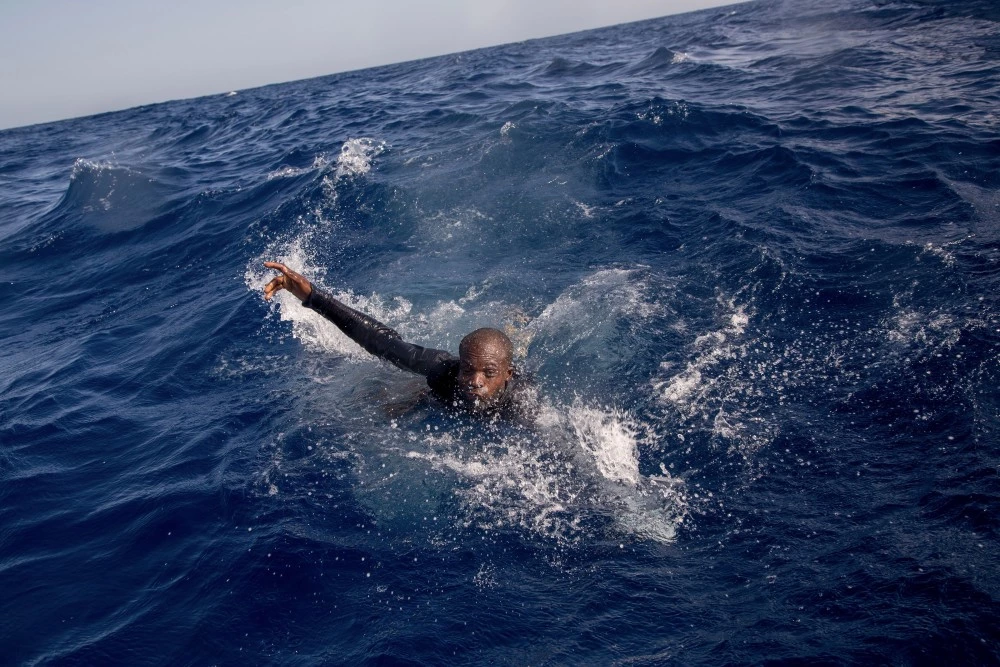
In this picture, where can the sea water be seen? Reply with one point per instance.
(748, 255)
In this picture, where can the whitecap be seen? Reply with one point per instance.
(357, 156)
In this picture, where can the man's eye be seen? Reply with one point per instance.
(491, 374)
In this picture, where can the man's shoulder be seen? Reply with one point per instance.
(443, 375)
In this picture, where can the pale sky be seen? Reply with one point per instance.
(66, 58)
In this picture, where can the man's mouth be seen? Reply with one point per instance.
(473, 396)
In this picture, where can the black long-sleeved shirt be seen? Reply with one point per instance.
(438, 366)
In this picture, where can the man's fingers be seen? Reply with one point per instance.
(273, 286)
(278, 266)
(289, 280)
(278, 282)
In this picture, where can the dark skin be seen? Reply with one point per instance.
(289, 280)
(484, 367)
(483, 372)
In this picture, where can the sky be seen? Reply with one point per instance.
(67, 58)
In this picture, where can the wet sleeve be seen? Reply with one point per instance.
(375, 337)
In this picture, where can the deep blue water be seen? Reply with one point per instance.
(751, 256)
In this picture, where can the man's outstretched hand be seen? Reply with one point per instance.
(289, 280)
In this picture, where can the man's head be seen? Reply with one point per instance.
(485, 365)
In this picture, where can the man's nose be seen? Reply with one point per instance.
(478, 380)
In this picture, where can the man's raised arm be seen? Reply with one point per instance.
(375, 337)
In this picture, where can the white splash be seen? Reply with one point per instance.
(582, 463)
(356, 156)
(593, 303)
(513, 486)
(687, 389)
(83, 165)
(718, 390)
(946, 256)
(355, 159)
(587, 211)
(927, 331)
(610, 438)
(309, 326)
(320, 162)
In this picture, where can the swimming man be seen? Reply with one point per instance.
(483, 378)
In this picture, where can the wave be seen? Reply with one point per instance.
(748, 255)
(111, 198)
(100, 199)
(560, 67)
(659, 59)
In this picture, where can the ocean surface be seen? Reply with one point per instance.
(750, 255)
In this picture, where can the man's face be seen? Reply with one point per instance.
(482, 373)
